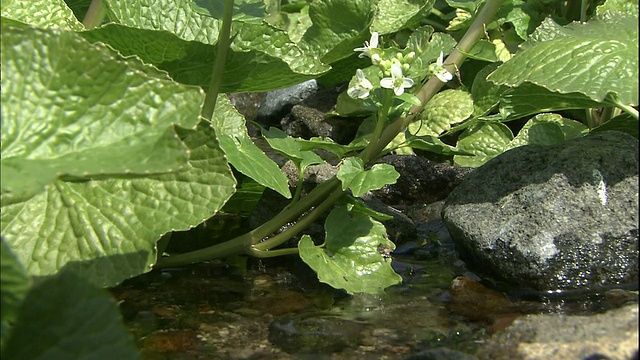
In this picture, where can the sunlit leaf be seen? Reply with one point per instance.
(594, 58)
(353, 256)
(107, 229)
(353, 176)
(41, 13)
(56, 86)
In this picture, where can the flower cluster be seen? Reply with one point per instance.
(393, 69)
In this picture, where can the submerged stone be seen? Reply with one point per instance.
(313, 335)
(554, 217)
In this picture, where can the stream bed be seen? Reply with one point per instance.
(277, 309)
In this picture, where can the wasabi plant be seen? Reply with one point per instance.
(117, 131)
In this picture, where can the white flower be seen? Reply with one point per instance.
(361, 88)
(368, 46)
(397, 81)
(439, 71)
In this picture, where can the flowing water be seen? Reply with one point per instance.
(277, 309)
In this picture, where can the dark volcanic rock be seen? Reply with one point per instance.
(552, 217)
(421, 181)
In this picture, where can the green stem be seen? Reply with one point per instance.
(629, 110)
(262, 254)
(475, 32)
(242, 244)
(224, 40)
(383, 115)
(301, 224)
(95, 15)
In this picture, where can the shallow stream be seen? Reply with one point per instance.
(276, 309)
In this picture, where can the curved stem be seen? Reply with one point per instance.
(95, 15)
(629, 110)
(300, 224)
(224, 40)
(242, 244)
(475, 32)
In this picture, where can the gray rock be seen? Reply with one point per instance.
(278, 103)
(612, 335)
(552, 217)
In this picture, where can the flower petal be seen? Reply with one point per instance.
(386, 83)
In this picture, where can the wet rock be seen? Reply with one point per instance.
(313, 335)
(612, 335)
(552, 217)
(441, 354)
(478, 303)
(306, 122)
(278, 103)
(421, 181)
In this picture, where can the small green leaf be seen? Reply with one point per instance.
(485, 141)
(250, 160)
(329, 145)
(289, 147)
(41, 13)
(445, 108)
(594, 58)
(242, 152)
(547, 129)
(352, 258)
(353, 176)
(65, 317)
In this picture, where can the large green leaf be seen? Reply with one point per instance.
(528, 99)
(243, 10)
(353, 176)
(175, 38)
(14, 286)
(393, 15)
(594, 58)
(242, 152)
(41, 13)
(352, 258)
(339, 26)
(73, 109)
(108, 228)
(65, 317)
